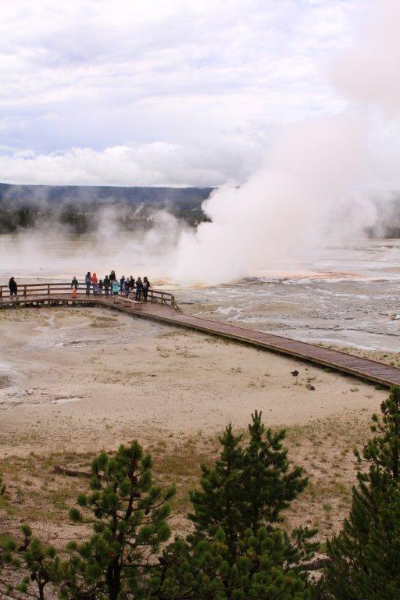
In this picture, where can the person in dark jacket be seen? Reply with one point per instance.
(12, 285)
(74, 283)
(113, 277)
(146, 285)
(107, 285)
(131, 284)
(122, 285)
(88, 282)
(139, 289)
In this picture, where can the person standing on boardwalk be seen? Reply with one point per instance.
(131, 287)
(113, 277)
(88, 283)
(122, 285)
(127, 287)
(115, 288)
(146, 285)
(12, 286)
(139, 289)
(107, 285)
(95, 284)
(74, 283)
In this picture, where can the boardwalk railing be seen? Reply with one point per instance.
(32, 290)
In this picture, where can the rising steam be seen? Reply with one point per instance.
(310, 190)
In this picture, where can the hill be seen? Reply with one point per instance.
(80, 207)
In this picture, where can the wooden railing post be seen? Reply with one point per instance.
(48, 289)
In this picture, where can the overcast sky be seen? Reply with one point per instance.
(159, 92)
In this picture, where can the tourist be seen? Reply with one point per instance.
(122, 285)
(101, 287)
(139, 289)
(88, 283)
(115, 288)
(74, 283)
(113, 277)
(107, 285)
(127, 287)
(146, 285)
(95, 284)
(12, 285)
(131, 287)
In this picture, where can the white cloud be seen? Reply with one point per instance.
(164, 79)
(158, 164)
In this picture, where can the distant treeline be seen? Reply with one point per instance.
(80, 208)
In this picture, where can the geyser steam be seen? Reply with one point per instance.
(306, 194)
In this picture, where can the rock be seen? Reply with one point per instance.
(29, 391)
(309, 386)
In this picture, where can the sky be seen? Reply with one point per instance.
(162, 92)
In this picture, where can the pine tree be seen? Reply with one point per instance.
(237, 551)
(364, 557)
(205, 571)
(248, 487)
(270, 484)
(36, 563)
(220, 502)
(8, 564)
(128, 515)
(42, 563)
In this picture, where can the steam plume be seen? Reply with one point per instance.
(306, 194)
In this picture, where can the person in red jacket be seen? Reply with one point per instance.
(95, 284)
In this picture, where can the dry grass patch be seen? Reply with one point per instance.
(38, 495)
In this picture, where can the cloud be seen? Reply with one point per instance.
(158, 164)
(369, 73)
(82, 81)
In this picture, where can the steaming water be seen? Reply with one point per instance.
(346, 296)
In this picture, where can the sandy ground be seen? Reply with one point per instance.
(84, 379)
(74, 381)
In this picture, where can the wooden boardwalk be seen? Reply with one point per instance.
(363, 368)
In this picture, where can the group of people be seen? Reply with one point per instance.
(110, 285)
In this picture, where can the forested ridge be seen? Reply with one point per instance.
(79, 208)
